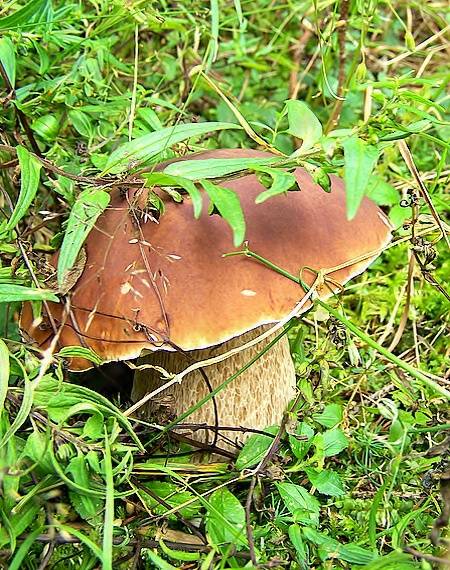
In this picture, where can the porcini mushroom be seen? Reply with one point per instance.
(167, 288)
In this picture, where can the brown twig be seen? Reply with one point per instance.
(423, 556)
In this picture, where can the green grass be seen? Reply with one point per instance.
(359, 474)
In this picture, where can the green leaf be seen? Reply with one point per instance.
(300, 447)
(255, 448)
(15, 293)
(80, 352)
(326, 482)
(163, 179)
(173, 496)
(4, 372)
(360, 159)
(302, 505)
(214, 167)
(87, 208)
(303, 124)
(382, 193)
(295, 535)
(228, 204)
(37, 448)
(157, 561)
(88, 507)
(146, 147)
(30, 168)
(47, 127)
(330, 417)
(282, 181)
(17, 562)
(8, 59)
(81, 122)
(179, 554)
(334, 441)
(331, 548)
(225, 521)
(29, 13)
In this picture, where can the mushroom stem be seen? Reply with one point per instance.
(256, 399)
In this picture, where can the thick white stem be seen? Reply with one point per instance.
(256, 399)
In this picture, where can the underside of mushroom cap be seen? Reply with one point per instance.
(167, 285)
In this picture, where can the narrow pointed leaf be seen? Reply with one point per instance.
(146, 147)
(229, 206)
(360, 159)
(281, 182)
(213, 167)
(10, 293)
(30, 168)
(303, 124)
(8, 58)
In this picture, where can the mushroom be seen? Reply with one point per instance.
(166, 288)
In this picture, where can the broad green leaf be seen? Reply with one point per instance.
(282, 181)
(225, 521)
(382, 193)
(89, 508)
(227, 203)
(300, 447)
(360, 159)
(255, 448)
(330, 417)
(326, 482)
(303, 124)
(334, 441)
(81, 122)
(47, 127)
(150, 117)
(144, 148)
(331, 548)
(37, 448)
(87, 208)
(172, 495)
(8, 59)
(295, 534)
(214, 167)
(302, 505)
(163, 179)
(30, 168)
(4, 372)
(14, 293)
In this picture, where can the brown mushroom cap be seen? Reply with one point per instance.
(168, 285)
